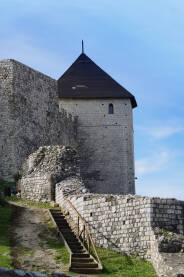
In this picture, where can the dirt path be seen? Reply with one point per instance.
(29, 241)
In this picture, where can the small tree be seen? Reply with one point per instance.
(5, 188)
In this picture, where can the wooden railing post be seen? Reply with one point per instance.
(89, 245)
(84, 233)
(78, 227)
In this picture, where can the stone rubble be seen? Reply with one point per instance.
(46, 167)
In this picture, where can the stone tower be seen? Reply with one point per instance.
(105, 126)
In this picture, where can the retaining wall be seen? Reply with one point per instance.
(127, 223)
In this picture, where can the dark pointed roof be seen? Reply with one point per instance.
(85, 79)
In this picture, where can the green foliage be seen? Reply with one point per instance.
(119, 265)
(5, 215)
(166, 233)
(2, 202)
(4, 184)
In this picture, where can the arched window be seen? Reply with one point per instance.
(111, 109)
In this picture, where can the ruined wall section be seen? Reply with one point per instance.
(46, 167)
(117, 222)
(126, 223)
(105, 143)
(31, 115)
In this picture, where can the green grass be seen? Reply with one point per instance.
(57, 244)
(5, 215)
(30, 203)
(118, 265)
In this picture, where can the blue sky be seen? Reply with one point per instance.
(139, 43)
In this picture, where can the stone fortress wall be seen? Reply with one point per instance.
(125, 222)
(151, 228)
(131, 224)
(105, 143)
(29, 116)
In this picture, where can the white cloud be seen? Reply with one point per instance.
(151, 164)
(161, 132)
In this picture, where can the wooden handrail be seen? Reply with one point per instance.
(84, 229)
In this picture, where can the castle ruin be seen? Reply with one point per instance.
(73, 140)
(85, 108)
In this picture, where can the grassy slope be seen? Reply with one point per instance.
(52, 242)
(116, 265)
(5, 215)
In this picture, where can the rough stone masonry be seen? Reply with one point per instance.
(34, 113)
(36, 110)
(46, 167)
(152, 228)
(29, 116)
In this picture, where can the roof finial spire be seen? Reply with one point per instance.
(82, 47)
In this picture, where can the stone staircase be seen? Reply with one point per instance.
(80, 259)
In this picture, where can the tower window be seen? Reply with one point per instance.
(111, 109)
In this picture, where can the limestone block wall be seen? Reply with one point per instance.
(126, 222)
(29, 116)
(167, 213)
(105, 143)
(41, 191)
(157, 260)
(148, 227)
(117, 222)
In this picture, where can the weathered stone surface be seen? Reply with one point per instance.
(30, 116)
(105, 143)
(70, 186)
(6, 272)
(134, 225)
(46, 167)
(169, 242)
